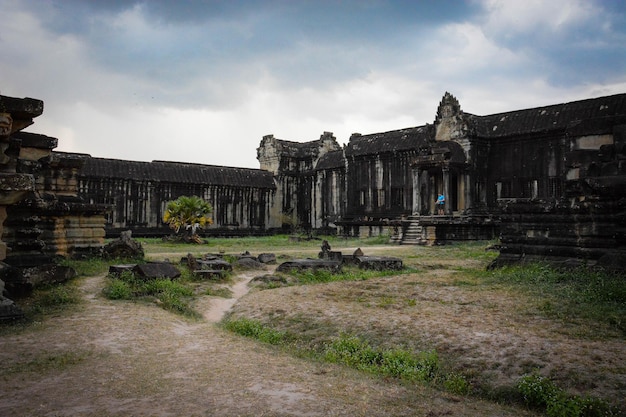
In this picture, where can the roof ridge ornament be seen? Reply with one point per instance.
(450, 122)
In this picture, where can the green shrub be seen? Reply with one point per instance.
(58, 295)
(118, 289)
(171, 295)
(457, 384)
(539, 392)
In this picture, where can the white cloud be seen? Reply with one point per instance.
(515, 17)
(131, 87)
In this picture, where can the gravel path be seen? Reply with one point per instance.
(113, 358)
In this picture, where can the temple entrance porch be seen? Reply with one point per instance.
(442, 229)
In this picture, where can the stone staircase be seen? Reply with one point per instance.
(411, 233)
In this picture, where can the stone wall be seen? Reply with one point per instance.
(551, 176)
(587, 224)
(138, 193)
(15, 115)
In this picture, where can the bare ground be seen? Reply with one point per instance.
(112, 358)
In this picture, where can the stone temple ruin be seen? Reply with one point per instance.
(549, 181)
(41, 216)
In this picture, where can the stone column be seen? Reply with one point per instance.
(468, 191)
(417, 198)
(446, 189)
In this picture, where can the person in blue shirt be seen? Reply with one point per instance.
(441, 202)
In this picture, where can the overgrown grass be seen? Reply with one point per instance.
(348, 273)
(569, 295)
(542, 394)
(49, 299)
(357, 353)
(94, 266)
(176, 296)
(421, 367)
(256, 330)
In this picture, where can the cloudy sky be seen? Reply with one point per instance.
(204, 81)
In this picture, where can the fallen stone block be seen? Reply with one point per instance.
(153, 270)
(314, 264)
(267, 258)
(379, 263)
(209, 273)
(124, 247)
(117, 270)
(248, 263)
(215, 264)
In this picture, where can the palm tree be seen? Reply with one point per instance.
(188, 214)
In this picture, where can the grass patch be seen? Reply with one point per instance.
(349, 273)
(264, 243)
(94, 266)
(219, 292)
(254, 329)
(542, 394)
(49, 299)
(568, 295)
(175, 296)
(46, 362)
(398, 363)
(356, 353)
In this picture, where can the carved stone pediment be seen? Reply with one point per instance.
(450, 123)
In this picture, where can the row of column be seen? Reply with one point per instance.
(463, 203)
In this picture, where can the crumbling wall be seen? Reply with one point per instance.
(587, 223)
(294, 166)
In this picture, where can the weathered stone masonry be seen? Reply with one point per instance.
(138, 192)
(550, 180)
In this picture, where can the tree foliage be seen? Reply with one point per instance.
(188, 214)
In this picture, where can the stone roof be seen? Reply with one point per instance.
(590, 116)
(177, 172)
(599, 116)
(299, 149)
(395, 140)
(331, 160)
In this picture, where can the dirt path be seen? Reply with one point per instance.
(128, 359)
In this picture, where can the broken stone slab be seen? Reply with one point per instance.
(331, 256)
(314, 264)
(215, 264)
(352, 259)
(269, 278)
(153, 270)
(248, 263)
(117, 270)
(379, 263)
(190, 261)
(212, 256)
(267, 258)
(22, 281)
(124, 247)
(209, 273)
